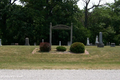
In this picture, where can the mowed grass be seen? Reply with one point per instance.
(21, 57)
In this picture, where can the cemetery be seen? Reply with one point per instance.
(46, 56)
(56, 34)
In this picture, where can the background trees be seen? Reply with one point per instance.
(33, 20)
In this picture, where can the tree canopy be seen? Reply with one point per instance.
(33, 20)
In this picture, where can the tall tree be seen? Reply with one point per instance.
(5, 11)
(46, 11)
(87, 9)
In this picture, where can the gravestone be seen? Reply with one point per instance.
(100, 40)
(112, 45)
(16, 44)
(96, 42)
(12, 43)
(68, 43)
(88, 43)
(34, 43)
(0, 43)
(42, 40)
(59, 43)
(27, 41)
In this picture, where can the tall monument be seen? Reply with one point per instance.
(100, 44)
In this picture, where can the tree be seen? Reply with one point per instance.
(55, 11)
(87, 9)
(5, 12)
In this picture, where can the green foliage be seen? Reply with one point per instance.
(45, 47)
(19, 22)
(77, 47)
(61, 48)
(80, 34)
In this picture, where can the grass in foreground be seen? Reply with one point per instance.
(21, 57)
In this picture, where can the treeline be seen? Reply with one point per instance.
(33, 18)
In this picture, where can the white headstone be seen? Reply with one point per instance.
(88, 43)
(59, 43)
(68, 43)
(0, 43)
(96, 39)
(96, 42)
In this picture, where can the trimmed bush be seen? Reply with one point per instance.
(45, 47)
(77, 47)
(61, 48)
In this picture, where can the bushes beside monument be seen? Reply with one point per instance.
(61, 48)
(45, 47)
(77, 47)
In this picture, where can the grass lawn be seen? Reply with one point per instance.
(21, 57)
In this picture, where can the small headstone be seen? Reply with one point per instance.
(100, 40)
(16, 44)
(112, 45)
(42, 40)
(0, 43)
(34, 43)
(59, 43)
(12, 43)
(68, 43)
(96, 42)
(88, 43)
(27, 41)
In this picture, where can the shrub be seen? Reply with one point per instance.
(61, 48)
(77, 47)
(45, 47)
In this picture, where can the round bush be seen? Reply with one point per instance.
(61, 48)
(77, 47)
(45, 47)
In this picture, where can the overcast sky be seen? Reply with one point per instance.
(81, 4)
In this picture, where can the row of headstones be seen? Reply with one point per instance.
(27, 42)
(99, 43)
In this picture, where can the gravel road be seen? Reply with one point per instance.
(59, 74)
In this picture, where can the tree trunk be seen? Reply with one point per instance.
(86, 16)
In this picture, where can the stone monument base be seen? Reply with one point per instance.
(100, 45)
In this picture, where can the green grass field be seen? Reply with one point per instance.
(21, 57)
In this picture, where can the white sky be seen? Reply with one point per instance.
(81, 4)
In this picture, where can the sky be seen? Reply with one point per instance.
(81, 4)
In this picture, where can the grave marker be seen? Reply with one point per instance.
(42, 40)
(0, 43)
(27, 41)
(59, 43)
(96, 42)
(112, 45)
(88, 43)
(100, 40)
